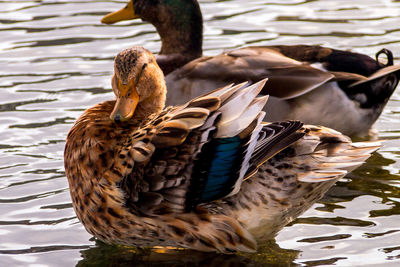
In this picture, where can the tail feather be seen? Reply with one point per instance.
(380, 73)
(333, 157)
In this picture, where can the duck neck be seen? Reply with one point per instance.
(181, 37)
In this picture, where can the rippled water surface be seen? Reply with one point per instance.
(56, 60)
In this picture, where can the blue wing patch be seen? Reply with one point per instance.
(216, 170)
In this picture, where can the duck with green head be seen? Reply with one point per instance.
(343, 90)
(182, 42)
(208, 175)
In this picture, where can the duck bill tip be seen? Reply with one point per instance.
(124, 109)
(126, 13)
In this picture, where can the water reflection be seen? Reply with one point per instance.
(107, 255)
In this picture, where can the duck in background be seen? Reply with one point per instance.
(342, 90)
(208, 175)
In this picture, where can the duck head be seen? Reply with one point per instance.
(138, 84)
(178, 22)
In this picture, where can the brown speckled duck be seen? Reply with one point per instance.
(342, 90)
(208, 175)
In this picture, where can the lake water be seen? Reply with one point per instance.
(56, 60)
